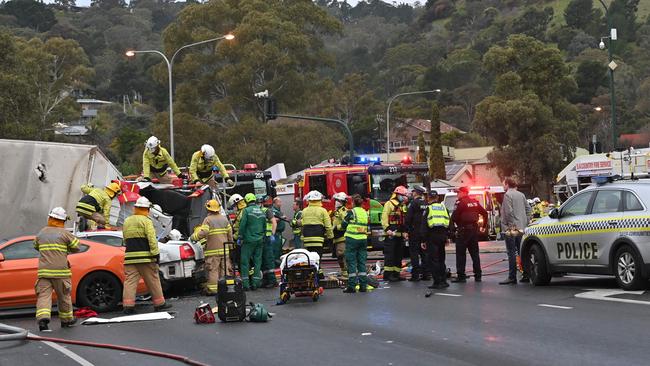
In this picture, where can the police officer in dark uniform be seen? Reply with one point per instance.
(435, 231)
(413, 222)
(465, 219)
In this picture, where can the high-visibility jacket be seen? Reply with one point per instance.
(235, 225)
(95, 200)
(269, 221)
(337, 224)
(53, 245)
(253, 224)
(296, 229)
(316, 225)
(392, 217)
(218, 231)
(201, 169)
(356, 223)
(437, 216)
(140, 240)
(158, 163)
(196, 238)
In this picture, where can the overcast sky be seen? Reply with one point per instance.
(351, 2)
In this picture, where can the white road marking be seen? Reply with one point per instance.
(366, 334)
(78, 359)
(605, 296)
(446, 294)
(556, 306)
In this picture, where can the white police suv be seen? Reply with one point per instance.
(603, 229)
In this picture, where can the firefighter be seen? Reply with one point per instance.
(203, 164)
(435, 231)
(296, 223)
(356, 240)
(236, 202)
(268, 248)
(316, 226)
(338, 216)
(96, 204)
(141, 258)
(392, 220)
(414, 217)
(53, 244)
(251, 232)
(156, 161)
(218, 231)
(465, 219)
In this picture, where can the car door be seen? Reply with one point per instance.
(601, 228)
(566, 232)
(18, 274)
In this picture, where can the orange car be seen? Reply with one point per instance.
(97, 274)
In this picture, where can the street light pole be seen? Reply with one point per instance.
(612, 95)
(170, 65)
(390, 101)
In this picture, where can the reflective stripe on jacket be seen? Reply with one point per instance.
(218, 231)
(140, 240)
(53, 245)
(200, 168)
(316, 225)
(100, 196)
(337, 224)
(437, 215)
(158, 163)
(357, 224)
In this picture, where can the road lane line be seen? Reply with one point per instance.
(75, 357)
(555, 306)
(603, 294)
(445, 294)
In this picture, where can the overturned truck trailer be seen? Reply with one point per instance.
(41, 175)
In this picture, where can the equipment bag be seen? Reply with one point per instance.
(203, 314)
(258, 313)
(231, 298)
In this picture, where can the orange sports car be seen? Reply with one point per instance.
(97, 274)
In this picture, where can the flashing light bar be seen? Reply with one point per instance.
(367, 160)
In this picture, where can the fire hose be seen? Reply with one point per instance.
(19, 334)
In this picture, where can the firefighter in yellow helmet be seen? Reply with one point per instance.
(338, 216)
(203, 164)
(236, 202)
(218, 232)
(392, 220)
(141, 258)
(156, 161)
(316, 225)
(95, 205)
(53, 244)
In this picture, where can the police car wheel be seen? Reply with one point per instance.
(537, 268)
(627, 269)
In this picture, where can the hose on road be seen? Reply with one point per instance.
(18, 334)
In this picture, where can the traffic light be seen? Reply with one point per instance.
(270, 109)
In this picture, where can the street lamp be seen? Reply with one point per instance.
(170, 65)
(390, 101)
(611, 66)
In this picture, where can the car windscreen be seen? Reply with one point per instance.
(383, 185)
(255, 186)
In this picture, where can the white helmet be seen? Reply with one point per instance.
(143, 202)
(152, 143)
(58, 213)
(174, 235)
(234, 199)
(314, 196)
(208, 151)
(340, 196)
(536, 200)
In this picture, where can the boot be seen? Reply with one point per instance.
(163, 306)
(69, 323)
(363, 289)
(349, 290)
(459, 279)
(415, 276)
(43, 325)
(426, 277)
(129, 310)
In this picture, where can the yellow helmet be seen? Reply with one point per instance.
(213, 206)
(113, 187)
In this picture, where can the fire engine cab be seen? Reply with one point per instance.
(368, 177)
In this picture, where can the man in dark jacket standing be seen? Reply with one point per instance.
(413, 222)
(465, 219)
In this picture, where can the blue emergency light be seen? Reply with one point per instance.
(367, 160)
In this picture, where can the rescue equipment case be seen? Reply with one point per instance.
(231, 298)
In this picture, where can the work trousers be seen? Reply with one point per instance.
(251, 251)
(356, 255)
(393, 248)
(467, 241)
(277, 249)
(417, 255)
(513, 245)
(318, 250)
(435, 256)
(268, 262)
(297, 241)
(63, 289)
(339, 250)
(149, 273)
(215, 266)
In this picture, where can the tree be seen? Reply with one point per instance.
(422, 149)
(30, 13)
(590, 75)
(581, 14)
(436, 159)
(533, 22)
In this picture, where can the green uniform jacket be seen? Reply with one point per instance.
(158, 163)
(281, 224)
(201, 169)
(140, 240)
(253, 224)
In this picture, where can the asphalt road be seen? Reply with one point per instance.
(471, 324)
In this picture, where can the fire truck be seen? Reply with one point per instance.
(368, 177)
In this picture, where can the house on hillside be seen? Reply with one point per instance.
(89, 110)
(404, 134)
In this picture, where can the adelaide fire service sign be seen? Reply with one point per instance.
(593, 167)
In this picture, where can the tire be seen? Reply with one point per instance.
(101, 291)
(538, 271)
(628, 267)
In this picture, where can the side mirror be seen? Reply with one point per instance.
(2, 257)
(554, 214)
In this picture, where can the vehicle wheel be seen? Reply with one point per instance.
(101, 291)
(628, 267)
(537, 269)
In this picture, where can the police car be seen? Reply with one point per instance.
(603, 229)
